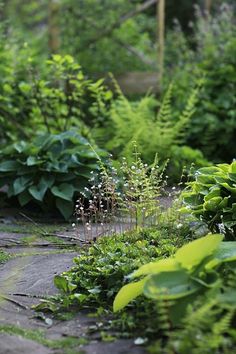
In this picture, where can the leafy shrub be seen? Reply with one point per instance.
(50, 171)
(53, 101)
(212, 198)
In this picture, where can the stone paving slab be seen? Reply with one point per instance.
(34, 274)
(10, 344)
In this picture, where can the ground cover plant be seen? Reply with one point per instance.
(49, 171)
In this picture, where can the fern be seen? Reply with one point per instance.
(154, 133)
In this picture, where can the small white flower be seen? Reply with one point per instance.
(73, 225)
(179, 226)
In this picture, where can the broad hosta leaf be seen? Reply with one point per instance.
(232, 168)
(170, 285)
(38, 192)
(33, 160)
(61, 283)
(65, 207)
(163, 265)
(24, 198)
(212, 204)
(64, 191)
(20, 184)
(206, 180)
(196, 251)
(226, 251)
(8, 166)
(214, 192)
(128, 293)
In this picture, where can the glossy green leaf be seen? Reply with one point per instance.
(212, 204)
(24, 198)
(7, 166)
(226, 251)
(38, 191)
(33, 160)
(170, 285)
(64, 191)
(20, 184)
(65, 207)
(61, 283)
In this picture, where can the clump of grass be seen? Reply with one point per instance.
(39, 336)
(4, 257)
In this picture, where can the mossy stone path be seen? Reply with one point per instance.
(26, 277)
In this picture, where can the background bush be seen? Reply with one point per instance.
(55, 100)
(211, 52)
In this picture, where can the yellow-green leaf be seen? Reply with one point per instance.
(163, 265)
(128, 293)
(194, 252)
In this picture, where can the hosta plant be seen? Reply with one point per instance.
(195, 270)
(49, 171)
(212, 198)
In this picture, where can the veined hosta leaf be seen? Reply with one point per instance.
(163, 265)
(226, 251)
(20, 184)
(194, 252)
(170, 285)
(24, 198)
(65, 207)
(128, 293)
(38, 192)
(212, 204)
(63, 191)
(9, 166)
(232, 167)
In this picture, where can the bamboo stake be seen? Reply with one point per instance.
(208, 4)
(53, 27)
(160, 39)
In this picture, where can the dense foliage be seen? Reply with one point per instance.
(155, 130)
(212, 198)
(49, 171)
(53, 101)
(214, 56)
